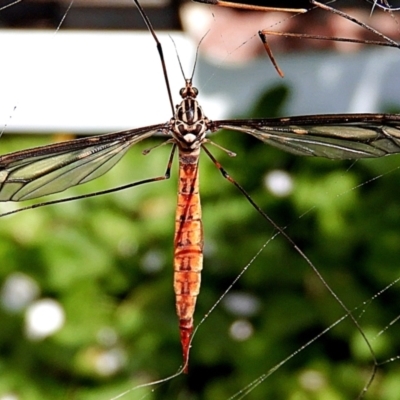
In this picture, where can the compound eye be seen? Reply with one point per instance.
(181, 92)
(195, 91)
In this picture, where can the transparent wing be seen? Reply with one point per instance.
(345, 136)
(40, 171)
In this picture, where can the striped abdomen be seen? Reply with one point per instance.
(188, 245)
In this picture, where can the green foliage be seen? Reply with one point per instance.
(108, 261)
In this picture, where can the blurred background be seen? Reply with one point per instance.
(86, 299)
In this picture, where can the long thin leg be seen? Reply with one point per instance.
(160, 52)
(306, 259)
(250, 7)
(354, 20)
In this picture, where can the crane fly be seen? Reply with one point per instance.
(41, 171)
